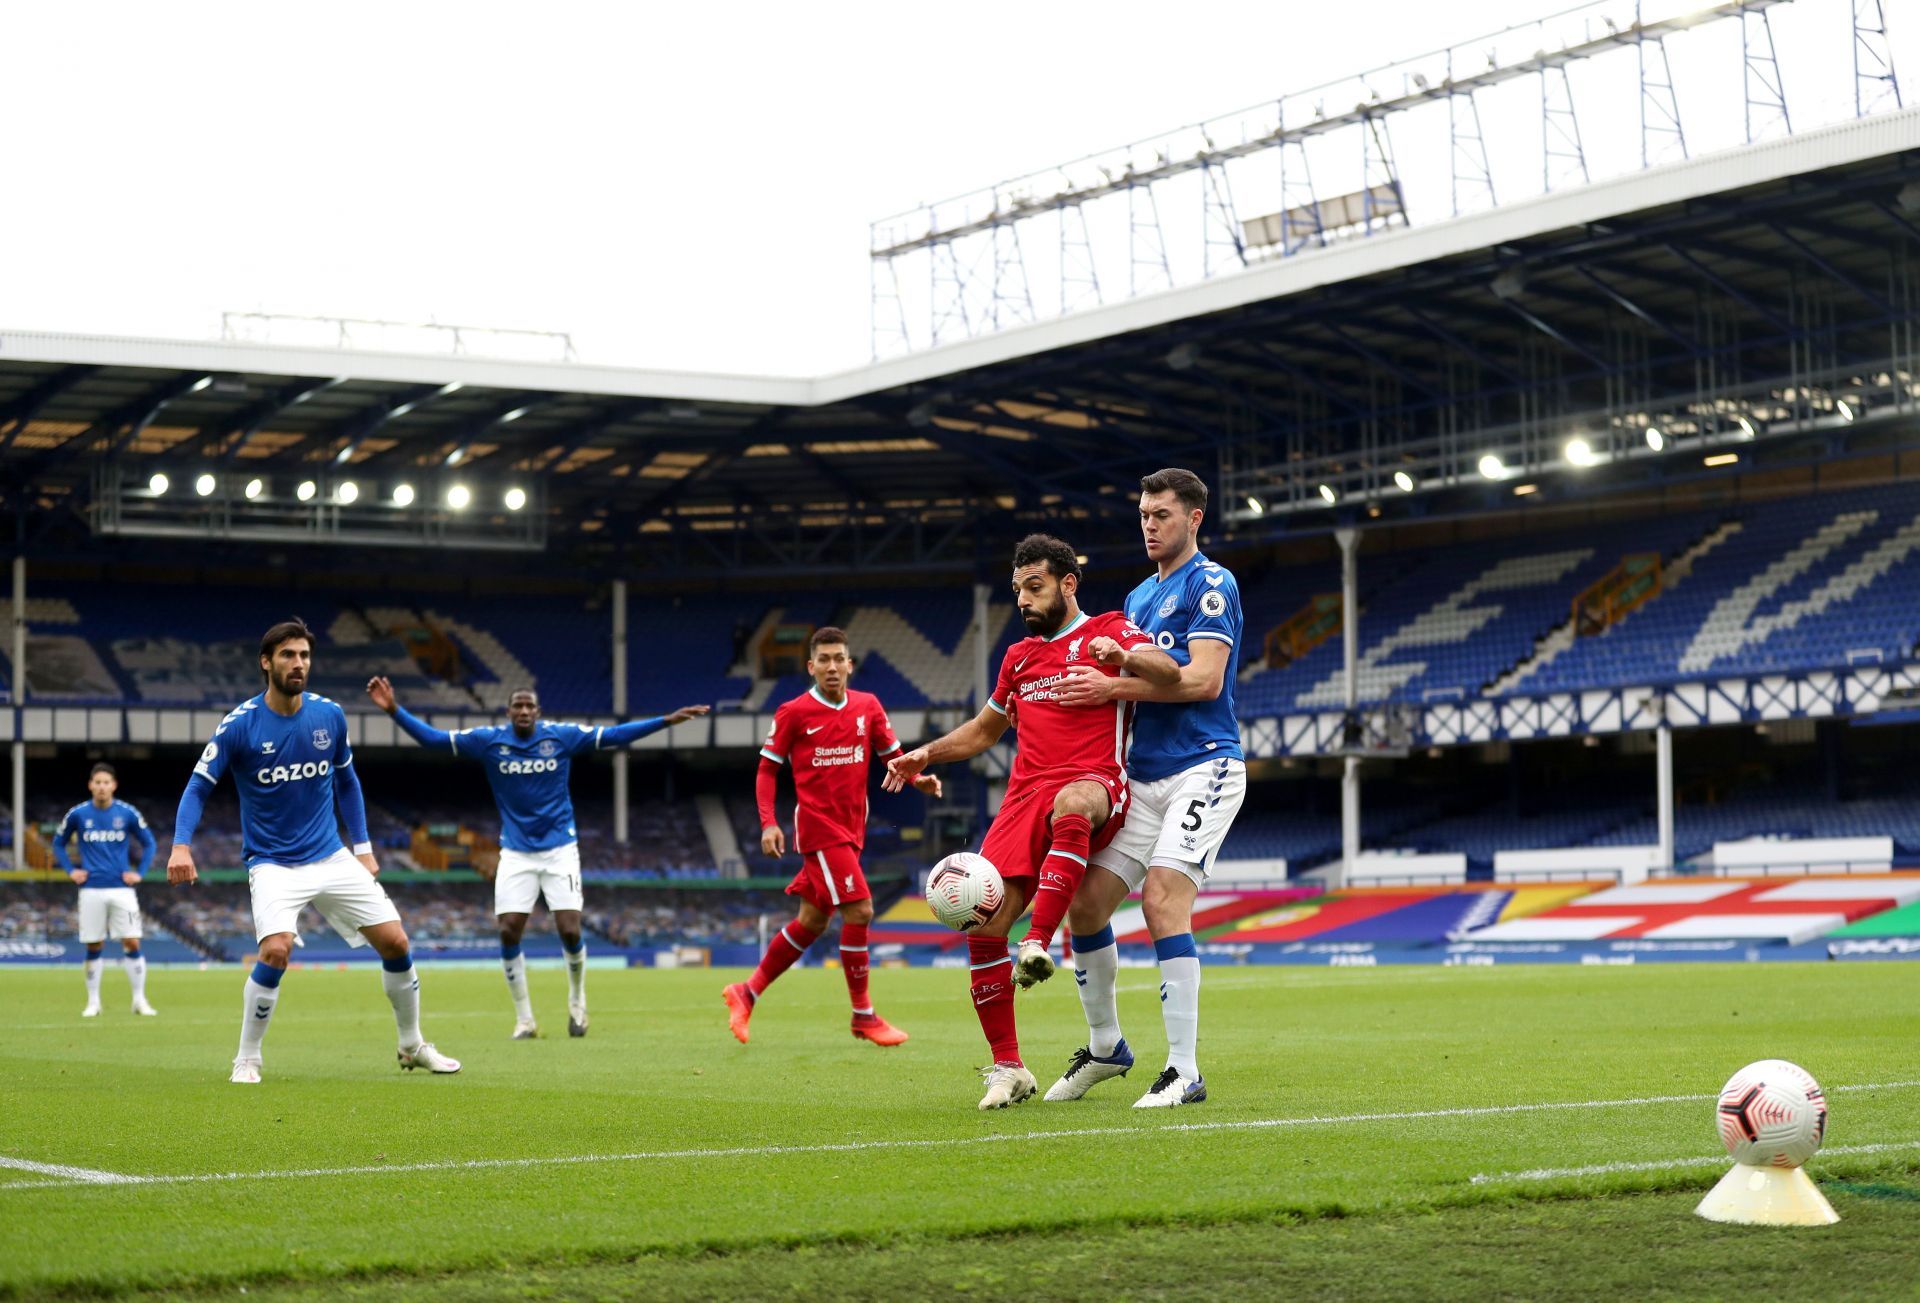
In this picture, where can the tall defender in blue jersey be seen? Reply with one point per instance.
(104, 827)
(1186, 778)
(528, 764)
(288, 753)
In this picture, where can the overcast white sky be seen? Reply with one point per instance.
(679, 186)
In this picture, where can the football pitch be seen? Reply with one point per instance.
(1390, 1133)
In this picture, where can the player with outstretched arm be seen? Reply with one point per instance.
(528, 765)
(1067, 793)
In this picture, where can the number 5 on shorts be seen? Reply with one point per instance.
(1192, 822)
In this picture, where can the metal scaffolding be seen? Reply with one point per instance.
(1239, 152)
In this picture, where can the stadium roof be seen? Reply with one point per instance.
(1752, 264)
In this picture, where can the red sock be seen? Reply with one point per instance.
(1060, 874)
(993, 996)
(853, 962)
(788, 944)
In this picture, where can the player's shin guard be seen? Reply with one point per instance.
(94, 964)
(403, 993)
(992, 979)
(135, 965)
(1180, 1001)
(576, 971)
(853, 963)
(1060, 873)
(1096, 971)
(788, 944)
(263, 993)
(516, 969)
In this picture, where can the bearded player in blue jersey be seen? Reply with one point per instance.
(1186, 778)
(528, 763)
(104, 826)
(288, 751)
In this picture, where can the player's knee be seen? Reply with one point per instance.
(274, 951)
(94, 948)
(1085, 916)
(393, 944)
(857, 911)
(812, 917)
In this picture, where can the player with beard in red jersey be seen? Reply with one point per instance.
(828, 734)
(1067, 793)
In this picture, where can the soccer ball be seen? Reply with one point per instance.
(964, 891)
(1772, 1114)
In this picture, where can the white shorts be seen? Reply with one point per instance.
(1177, 822)
(339, 887)
(525, 876)
(108, 912)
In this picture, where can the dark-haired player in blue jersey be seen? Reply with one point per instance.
(1186, 778)
(528, 763)
(103, 826)
(287, 749)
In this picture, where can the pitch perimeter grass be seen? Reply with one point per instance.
(1336, 1093)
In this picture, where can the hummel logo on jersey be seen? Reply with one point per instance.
(1215, 580)
(815, 729)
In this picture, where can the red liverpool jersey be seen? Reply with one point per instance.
(1061, 743)
(829, 748)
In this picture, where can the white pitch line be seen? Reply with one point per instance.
(87, 1175)
(946, 1142)
(1664, 1164)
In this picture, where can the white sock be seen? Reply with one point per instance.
(1180, 1009)
(93, 979)
(136, 967)
(403, 993)
(577, 976)
(516, 970)
(1096, 972)
(255, 1014)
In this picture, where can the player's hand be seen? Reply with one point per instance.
(1085, 686)
(180, 870)
(929, 784)
(131, 878)
(79, 877)
(368, 863)
(903, 769)
(686, 713)
(772, 841)
(1107, 652)
(486, 870)
(382, 693)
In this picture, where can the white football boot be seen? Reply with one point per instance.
(1171, 1089)
(246, 1072)
(92, 1010)
(1085, 1070)
(424, 1055)
(526, 1031)
(144, 1009)
(1034, 965)
(1007, 1083)
(576, 1019)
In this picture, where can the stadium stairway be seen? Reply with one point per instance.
(1564, 637)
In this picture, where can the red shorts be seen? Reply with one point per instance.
(830, 877)
(1023, 830)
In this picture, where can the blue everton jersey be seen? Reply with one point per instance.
(104, 836)
(283, 766)
(1199, 601)
(529, 778)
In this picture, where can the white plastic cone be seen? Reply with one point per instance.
(1767, 1196)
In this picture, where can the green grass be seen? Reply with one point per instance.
(1145, 1202)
